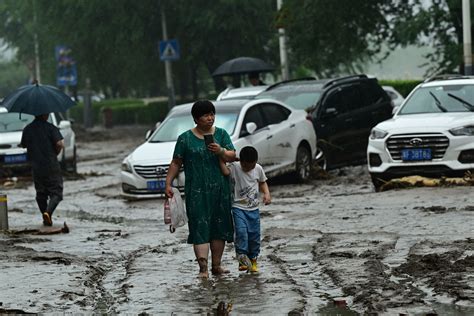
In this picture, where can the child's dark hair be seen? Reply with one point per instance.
(248, 154)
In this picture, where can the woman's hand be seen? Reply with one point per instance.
(214, 147)
(168, 191)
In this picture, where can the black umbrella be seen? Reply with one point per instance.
(242, 65)
(37, 99)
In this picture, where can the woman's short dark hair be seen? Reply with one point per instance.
(248, 154)
(201, 108)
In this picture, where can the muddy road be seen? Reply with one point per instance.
(330, 247)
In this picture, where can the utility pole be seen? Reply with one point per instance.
(285, 72)
(36, 43)
(168, 72)
(466, 32)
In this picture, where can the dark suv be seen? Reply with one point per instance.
(343, 112)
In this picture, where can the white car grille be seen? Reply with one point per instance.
(437, 142)
(151, 172)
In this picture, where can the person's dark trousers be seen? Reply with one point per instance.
(247, 232)
(49, 190)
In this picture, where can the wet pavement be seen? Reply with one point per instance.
(330, 247)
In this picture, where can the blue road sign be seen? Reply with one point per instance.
(66, 70)
(169, 50)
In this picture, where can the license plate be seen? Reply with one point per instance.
(157, 185)
(416, 154)
(12, 159)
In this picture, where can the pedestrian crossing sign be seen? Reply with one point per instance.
(169, 50)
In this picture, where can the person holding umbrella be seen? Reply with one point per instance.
(255, 80)
(42, 140)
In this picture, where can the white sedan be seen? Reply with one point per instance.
(284, 138)
(13, 157)
(432, 134)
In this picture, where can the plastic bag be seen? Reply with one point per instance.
(177, 210)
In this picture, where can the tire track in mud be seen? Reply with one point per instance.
(445, 271)
(294, 258)
(107, 280)
(371, 286)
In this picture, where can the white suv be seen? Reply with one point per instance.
(13, 157)
(431, 134)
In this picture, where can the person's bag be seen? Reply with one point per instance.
(177, 210)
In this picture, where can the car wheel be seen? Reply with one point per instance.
(321, 160)
(72, 165)
(63, 162)
(303, 163)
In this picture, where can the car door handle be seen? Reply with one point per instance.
(269, 136)
(292, 125)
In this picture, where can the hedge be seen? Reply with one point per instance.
(402, 86)
(123, 111)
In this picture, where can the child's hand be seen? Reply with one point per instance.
(267, 199)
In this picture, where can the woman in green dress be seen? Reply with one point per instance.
(207, 190)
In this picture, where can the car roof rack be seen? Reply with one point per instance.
(447, 77)
(291, 80)
(342, 79)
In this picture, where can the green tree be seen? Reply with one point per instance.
(439, 25)
(332, 37)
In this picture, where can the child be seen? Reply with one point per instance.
(248, 180)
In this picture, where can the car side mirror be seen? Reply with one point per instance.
(395, 109)
(64, 124)
(251, 127)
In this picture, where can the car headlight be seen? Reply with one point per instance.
(126, 166)
(463, 131)
(377, 134)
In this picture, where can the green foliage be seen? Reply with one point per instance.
(438, 25)
(402, 86)
(12, 75)
(332, 37)
(115, 42)
(124, 111)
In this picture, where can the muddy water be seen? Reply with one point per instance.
(330, 247)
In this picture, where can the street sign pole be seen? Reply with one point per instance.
(168, 71)
(466, 21)
(3, 212)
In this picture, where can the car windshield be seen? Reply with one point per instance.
(297, 99)
(176, 125)
(11, 122)
(448, 98)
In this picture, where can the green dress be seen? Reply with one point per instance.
(208, 195)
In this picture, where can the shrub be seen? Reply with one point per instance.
(124, 111)
(402, 86)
